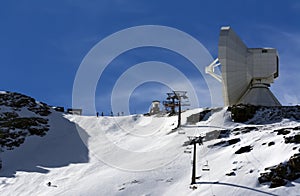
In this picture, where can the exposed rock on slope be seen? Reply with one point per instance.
(261, 114)
(21, 116)
(282, 173)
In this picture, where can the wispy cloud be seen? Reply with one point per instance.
(295, 6)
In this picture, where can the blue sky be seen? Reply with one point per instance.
(42, 43)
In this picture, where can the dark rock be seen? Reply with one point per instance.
(277, 181)
(224, 134)
(243, 113)
(13, 128)
(292, 139)
(227, 142)
(243, 130)
(204, 115)
(136, 181)
(221, 143)
(17, 101)
(264, 114)
(264, 177)
(8, 115)
(280, 174)
(244, 150)
(236, 133)
(282, 131)
(271, 143)
(230, 174)
(296, 128)
(233, 141)
(294, 162)
(281, 170)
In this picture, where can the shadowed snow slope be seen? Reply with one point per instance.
(139, 155)
(60, 147)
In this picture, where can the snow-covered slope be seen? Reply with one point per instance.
(140, 155)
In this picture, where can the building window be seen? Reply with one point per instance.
(264, 51)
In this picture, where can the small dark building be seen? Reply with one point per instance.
(74, 111)
(59, 109)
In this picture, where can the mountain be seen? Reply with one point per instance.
(246, 151)
(34, 137)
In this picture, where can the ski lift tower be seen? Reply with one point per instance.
(176, 99)
(180, 95)
(194, 141)
(171, 103)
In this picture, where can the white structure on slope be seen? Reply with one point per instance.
(155, 109)
(246, 72)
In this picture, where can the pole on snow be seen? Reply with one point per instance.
(194, 141)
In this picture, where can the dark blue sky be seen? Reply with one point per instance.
(42, 43)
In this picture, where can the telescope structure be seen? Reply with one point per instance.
(247, 73)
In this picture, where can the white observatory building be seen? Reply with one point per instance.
(155, 109)
(246, 72)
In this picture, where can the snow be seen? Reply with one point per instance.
(140, 155)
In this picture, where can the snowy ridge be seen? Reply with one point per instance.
(98, 168)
